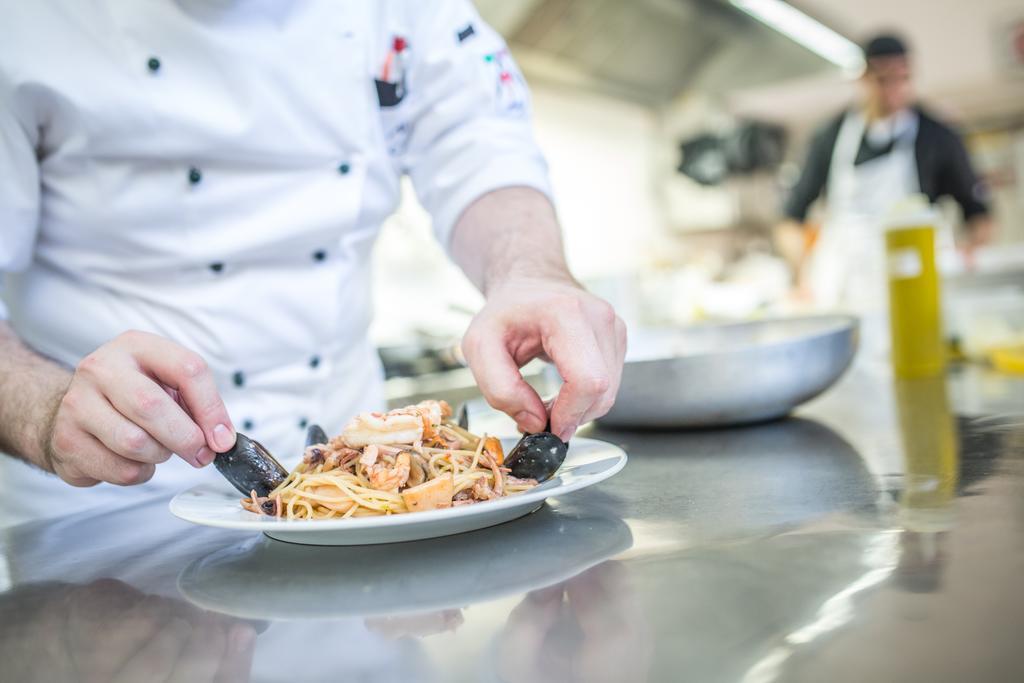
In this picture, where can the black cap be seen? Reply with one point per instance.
(885, 45)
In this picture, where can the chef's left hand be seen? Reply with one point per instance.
(554, 319)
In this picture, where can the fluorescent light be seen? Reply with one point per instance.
(812, 34)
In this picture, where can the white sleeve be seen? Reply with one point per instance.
(19, 181)
(469, 116)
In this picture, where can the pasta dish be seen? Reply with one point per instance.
(407, 460)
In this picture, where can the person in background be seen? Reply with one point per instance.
(189, 194)
(864, 161)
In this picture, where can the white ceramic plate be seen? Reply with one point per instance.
(589, 462)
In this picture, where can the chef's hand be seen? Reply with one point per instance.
(132, 403)
(980, 233)
(509, 245)
(555, 319)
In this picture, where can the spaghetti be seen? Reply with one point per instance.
(407, 460)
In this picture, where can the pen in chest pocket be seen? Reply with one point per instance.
(395, 65)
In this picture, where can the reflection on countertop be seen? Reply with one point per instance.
(106, 630)
(448, 572)
(878, 535)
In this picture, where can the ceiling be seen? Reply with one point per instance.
(958, 56)
(646, 51)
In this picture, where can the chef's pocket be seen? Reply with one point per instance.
(393, 111)
(389, 94)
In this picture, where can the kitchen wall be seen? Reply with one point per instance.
(603, 166)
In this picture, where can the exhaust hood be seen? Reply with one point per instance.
(647, 51)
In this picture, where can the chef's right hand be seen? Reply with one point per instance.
(132, 403)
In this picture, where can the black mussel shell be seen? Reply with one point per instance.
(315, 435)
(250, 467)
(462, 418)
(537, 456)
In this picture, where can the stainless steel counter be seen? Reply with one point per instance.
(878, 535)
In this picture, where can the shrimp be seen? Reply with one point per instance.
(385, 477)
(407, 425)
(431, 413)
(379, 428)
(369, 456)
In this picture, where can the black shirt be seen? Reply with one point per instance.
(943, 168)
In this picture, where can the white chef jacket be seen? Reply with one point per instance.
(216, 172)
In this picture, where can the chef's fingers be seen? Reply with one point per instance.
(74, 475)
(613, 346)
(119, 434)
(573, 347)
(187, 373)
(497, 374)
(142, 401)
(93, 460)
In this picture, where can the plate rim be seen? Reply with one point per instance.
(540, 494)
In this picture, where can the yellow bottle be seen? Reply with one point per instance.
(915, 319)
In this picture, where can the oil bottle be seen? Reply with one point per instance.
(915, 317)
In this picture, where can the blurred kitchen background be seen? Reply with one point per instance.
(622, 88)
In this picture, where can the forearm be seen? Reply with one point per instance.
(509, 244)
(30, 389)
(508, 233)
(791, 241)
(980, 229)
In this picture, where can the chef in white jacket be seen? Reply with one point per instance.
(189, 192)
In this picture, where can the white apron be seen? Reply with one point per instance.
(847, 267)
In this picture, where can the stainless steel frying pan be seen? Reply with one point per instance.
(729, 374)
